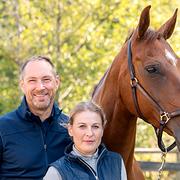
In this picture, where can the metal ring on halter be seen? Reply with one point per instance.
(134, 82)
(164, 117)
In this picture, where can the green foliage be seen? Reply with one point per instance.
(82, 37)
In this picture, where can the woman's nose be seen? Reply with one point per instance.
(89, 131)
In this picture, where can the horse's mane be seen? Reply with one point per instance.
(99, 83)
(150, 35)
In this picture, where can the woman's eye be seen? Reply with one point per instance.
(82, 126)
(95, 127)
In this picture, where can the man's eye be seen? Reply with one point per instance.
(31, 80)
(47, 80)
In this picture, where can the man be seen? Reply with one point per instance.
(32, 136)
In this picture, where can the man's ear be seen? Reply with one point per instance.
(58, 82)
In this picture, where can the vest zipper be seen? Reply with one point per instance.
(100, 156)
(90, 168)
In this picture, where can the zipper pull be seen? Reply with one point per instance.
(45, 147)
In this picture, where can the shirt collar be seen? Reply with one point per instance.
(79, 154)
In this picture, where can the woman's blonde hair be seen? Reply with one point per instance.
(87, 106)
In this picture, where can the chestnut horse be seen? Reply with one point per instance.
(147, 61)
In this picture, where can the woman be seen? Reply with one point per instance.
(87, 158)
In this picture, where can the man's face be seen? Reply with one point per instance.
(39, 84)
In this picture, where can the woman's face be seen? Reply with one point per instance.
(87, 131)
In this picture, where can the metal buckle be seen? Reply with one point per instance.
(134, 82)
(164, 117)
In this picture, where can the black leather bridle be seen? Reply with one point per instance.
(164, 116)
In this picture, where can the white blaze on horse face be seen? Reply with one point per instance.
(170, 57)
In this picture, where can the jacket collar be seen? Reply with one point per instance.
(25, 113)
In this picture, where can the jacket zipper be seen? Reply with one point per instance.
(44, 144)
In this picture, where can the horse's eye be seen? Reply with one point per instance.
(152, 69)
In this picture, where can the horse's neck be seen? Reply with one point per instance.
(120, 131)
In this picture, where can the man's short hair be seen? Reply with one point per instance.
(36, 58)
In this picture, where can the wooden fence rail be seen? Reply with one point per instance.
(154, 166)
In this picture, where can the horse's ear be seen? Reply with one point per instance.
(144, 22)
(167, 28)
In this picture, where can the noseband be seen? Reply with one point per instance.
(164, 116)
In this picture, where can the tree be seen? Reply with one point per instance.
(82, 37)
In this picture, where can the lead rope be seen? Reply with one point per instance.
(163, 158)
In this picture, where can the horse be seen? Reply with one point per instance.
(142, 81)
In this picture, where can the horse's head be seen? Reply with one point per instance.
(155, 72)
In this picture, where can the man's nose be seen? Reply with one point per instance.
(40, 84)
